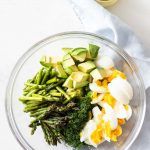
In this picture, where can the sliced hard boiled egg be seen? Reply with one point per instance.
(97, 99)
(105, 62)
(97, 114)
(110, 116)
(95, 88)
(86, 133)
(128, 111)
(120, 110)
(121, 90)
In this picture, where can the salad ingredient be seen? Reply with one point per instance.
(105, 62)
(87, 66)
(121, 90)
(93, 50)
(77, 122)
(61, 72)
(98, 74)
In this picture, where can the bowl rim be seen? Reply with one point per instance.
(24, 144)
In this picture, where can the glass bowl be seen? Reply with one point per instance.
(28, 64)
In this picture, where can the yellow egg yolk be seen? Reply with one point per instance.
(97, 135)
(98, 82)
(121, 121)
(116, 73)
(109, 99)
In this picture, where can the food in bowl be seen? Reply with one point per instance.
(79, 98)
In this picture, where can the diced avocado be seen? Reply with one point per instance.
(71, 69)
(87, 66)
(98, 74)
(68, 70)
(67, 50)
(46, 61)
(79, 84)
(68, 83)
(79, 76)
(93, 50)
(79, 54)
(60, 71)
(80, 57)
(78, 50)
(66, 57)
(67, 63)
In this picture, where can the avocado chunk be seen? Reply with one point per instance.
(79, 54)
(71, 69)
(87, 66)
(80, 57)
(79, 76)
(67, 49)
(60, 71)
(67, 63)
(68, 83)
(93, 50)
(98, 74)
(66, 57)
(46, 61)
(77, 85)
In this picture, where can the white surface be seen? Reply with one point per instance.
(23, 23)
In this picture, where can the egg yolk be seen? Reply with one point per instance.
(96, 136)
(107, 129)
(121, 121)
(98, 82)
(94, 95)
(105, 83)
(109, 99)
(117, 131)
(116, 73)
(126, 107)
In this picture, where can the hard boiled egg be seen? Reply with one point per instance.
(110, 116)
(121, 90)
(105, 62)
(86, 133)
(97, 99)
(95, 88)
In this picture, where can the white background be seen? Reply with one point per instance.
(24, 22)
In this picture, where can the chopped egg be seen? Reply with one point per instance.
(87, 134)
(105, 62)
(97, 114)
(95, 88)
(121, 90)
(110, 116)
(129, 111)
(120, 110)
(97, 99)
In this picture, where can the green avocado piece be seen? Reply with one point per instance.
(79, 54)
(67, 63)
(98, 74)
(67, 49)
(80, 57)
(45, 61)
(68, 83)
(78, 50)
(79, 76)
(93, 50)
(60, 71)
(77, 85)
(66, 57)
(87, 66)
(71, 69)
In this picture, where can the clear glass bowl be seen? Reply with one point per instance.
(28, 64)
